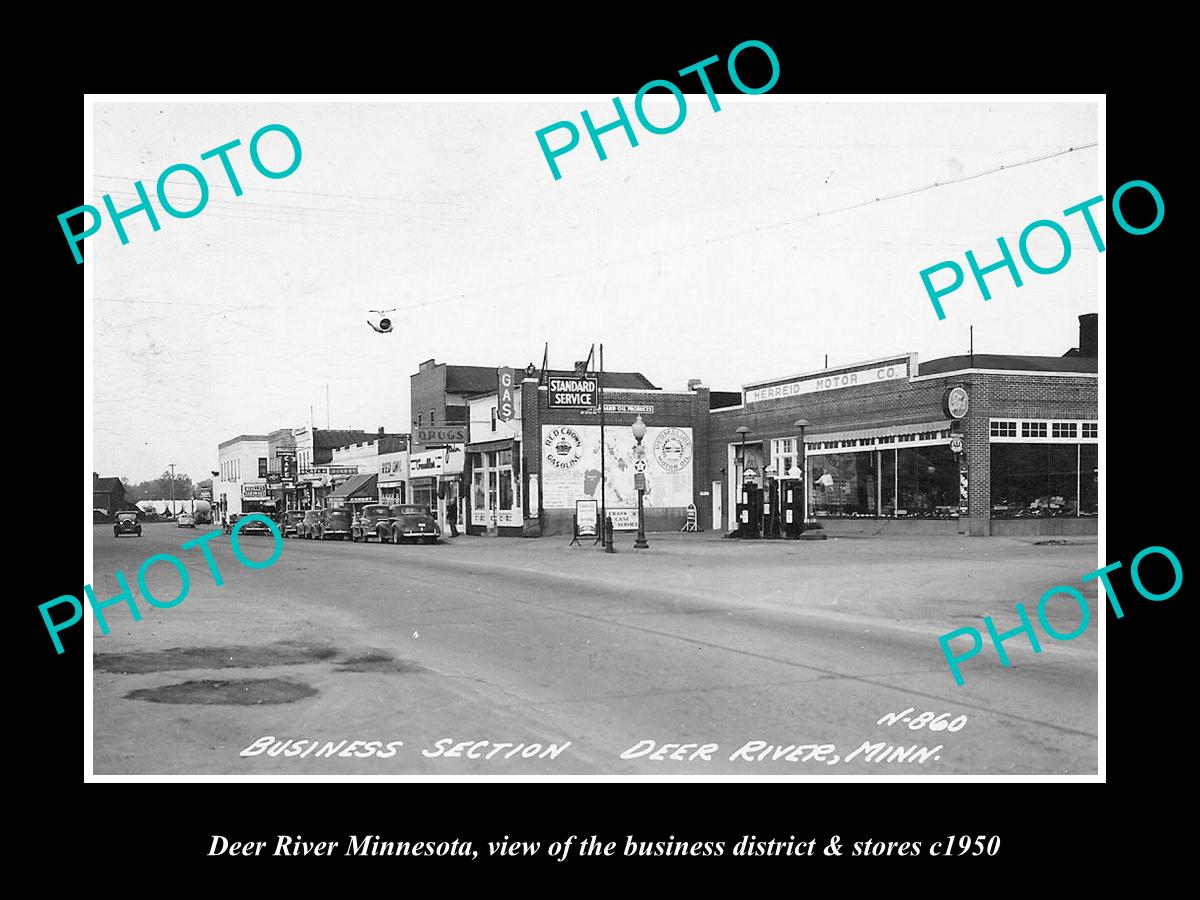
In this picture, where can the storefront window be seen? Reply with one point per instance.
(843, 484)
(1089, 479)
(887, 482)
(1044, 480)
(927, 482)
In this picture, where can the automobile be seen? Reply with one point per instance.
(230, 522)
(333, 523)
(185, 520)
(254, 526)
(127, 523)
(291, 522)
(375, 521)
(413, 521)
(305, 527)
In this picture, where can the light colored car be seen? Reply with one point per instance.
(185, 520)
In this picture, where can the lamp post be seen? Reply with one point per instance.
(172, 465)
(802, 424)
(639, 431)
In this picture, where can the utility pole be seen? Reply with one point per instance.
(172, 465)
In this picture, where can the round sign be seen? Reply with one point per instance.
(956, 444)
(673, 449)
(957, 402)
(639, 465)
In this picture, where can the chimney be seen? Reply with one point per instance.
(694, 383)
(1089, 335)
(381, 431)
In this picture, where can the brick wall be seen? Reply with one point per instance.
(427, 390)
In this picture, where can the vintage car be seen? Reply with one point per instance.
(374, 521)
(291, 522)
(185, 520)
(306, 526)
(333, 523)
(255, 525)
(413, 521)
(127, 523)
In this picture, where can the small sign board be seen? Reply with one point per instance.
(956, 444)
(623, 519)
(442, 434)
(639, 481)
(586, 512)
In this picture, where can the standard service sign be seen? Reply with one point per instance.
(573, 393)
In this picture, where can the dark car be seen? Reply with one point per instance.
(413, 522)
(255, 525)
(306, 526)
(374, 521)
(127, 523)
(334, 523)
(291, 522)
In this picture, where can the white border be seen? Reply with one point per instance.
(726, 99)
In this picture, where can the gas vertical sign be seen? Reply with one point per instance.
(506, 403)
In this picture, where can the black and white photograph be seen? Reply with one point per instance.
(707, 432)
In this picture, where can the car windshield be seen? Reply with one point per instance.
(295, 516)
(375, 511)
(338, 513)
(126, 517)
(413, 510)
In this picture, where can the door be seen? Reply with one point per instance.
(716, 506)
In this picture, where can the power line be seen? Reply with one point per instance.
(649, 253)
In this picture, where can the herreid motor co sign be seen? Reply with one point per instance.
(886, 372)
(572, 393)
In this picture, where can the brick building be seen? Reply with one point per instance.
(980, 444)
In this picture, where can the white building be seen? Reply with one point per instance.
(241, 485)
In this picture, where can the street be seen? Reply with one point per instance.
(769, 650)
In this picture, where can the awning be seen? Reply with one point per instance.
(490, 446)
(356, 487)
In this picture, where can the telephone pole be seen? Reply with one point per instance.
(172, 465)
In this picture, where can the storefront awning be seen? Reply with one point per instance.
(814, 437)
(489, 446)
(356, 487)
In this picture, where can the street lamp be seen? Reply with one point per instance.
(639, 431)
(802, 424)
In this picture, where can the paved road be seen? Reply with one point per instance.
(697, 642)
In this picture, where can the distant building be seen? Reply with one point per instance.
(108, 494)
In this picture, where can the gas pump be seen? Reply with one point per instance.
(793, 508)
(749, 510)
(771, 510)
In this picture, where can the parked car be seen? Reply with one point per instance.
(291, 522)
(334, 523)
(254, 526)
(306, 526)
(413, 521)
(373, 522)
(127, 523)
(185, 520)
(230, 522)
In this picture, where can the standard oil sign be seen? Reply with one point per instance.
(572, 393)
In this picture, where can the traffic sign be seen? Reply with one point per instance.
(639, 465)
(639, 481)
(956, 444)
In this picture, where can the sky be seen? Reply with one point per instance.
(722, 251)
